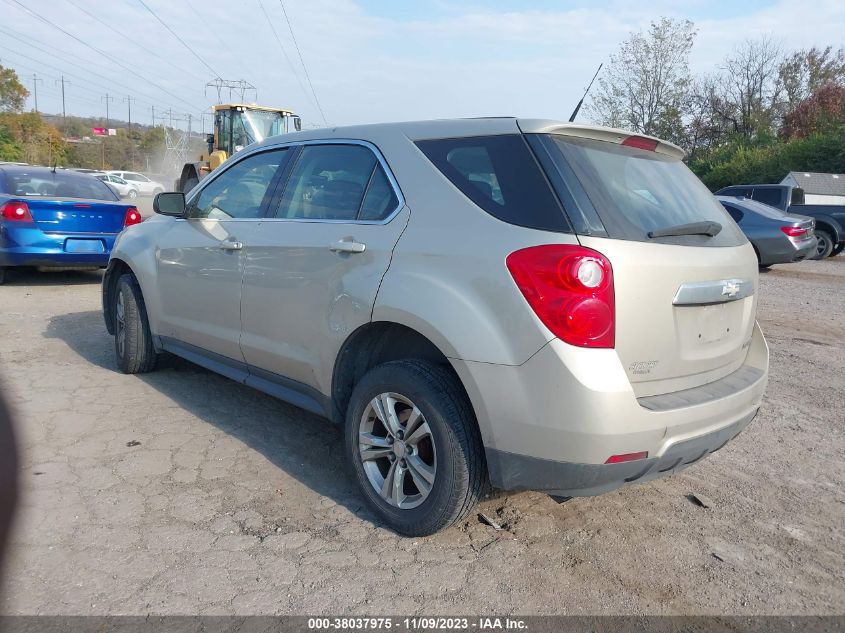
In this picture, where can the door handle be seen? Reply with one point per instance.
(231, 245)
(348, 246)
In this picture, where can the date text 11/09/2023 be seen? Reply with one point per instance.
(417, 623)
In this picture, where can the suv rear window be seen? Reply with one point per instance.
(631, 191)
(500, 175)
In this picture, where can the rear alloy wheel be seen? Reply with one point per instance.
(824, 246)
(414, 448)
(133, 343)
(133, 194)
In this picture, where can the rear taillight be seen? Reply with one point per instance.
(626, 457)
(132, 217)
(793, 231)
(16, 211)
(570, 289)
(640, 142)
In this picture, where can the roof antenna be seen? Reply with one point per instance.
(580, 103)
(55, 164)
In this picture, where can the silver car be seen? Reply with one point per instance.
(518, 303)
(123, 188)
(145, 186)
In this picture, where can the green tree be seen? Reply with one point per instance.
(13, 94)
(647, 81)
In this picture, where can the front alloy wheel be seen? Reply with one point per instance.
(397, 450)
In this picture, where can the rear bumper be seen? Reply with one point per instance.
(566, 479)
(29, 246)
(552, 423)
(785, 250)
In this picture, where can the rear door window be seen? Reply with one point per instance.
(500, 175)
(633, 191)
(767, 196)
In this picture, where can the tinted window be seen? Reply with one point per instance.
(500, 175)
(238, 192)
(733, 211)
(740, 192)
(767, 196)
(336, 182)
(60, 184)
(634, 191)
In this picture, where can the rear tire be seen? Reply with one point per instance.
(825, 244)
(837, 249)
(424, 480)
(133, 342)
(190, 183)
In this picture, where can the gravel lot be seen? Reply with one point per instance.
(183, 492)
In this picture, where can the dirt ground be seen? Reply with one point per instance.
(183, 492)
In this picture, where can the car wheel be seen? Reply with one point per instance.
(413, 445)
(133, 342)
(133, 194)
(190, 183)
(837, 249)
(824, 246)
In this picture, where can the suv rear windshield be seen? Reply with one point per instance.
(629, 192)
(500, 175)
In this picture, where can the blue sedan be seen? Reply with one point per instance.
(52, 218)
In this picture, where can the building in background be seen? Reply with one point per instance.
(818, 188)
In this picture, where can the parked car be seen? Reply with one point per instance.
(123, 187)
(57, 219)
(830, 218)
(529, 304)
(777, 237)
(144, 185)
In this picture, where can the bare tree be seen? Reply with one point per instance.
(751, 89)
(647, 81)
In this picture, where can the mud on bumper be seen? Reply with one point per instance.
(509, 471)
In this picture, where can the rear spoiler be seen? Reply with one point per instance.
(606, 134)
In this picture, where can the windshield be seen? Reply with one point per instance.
(256, 125)
(59, 185)
(626, 193)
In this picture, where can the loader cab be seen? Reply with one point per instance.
(239, 125)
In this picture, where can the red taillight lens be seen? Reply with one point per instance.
(793, 231)
(132, 217)
(16, 211)
(570, 289)
(626, 457)
(640, 142)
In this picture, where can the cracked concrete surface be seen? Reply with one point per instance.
(181, 492)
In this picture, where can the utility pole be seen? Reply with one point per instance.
(129, 101)
(35, 81)
(107, 98)
(153, 108)
(63, 82)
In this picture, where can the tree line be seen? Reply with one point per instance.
(762, 112)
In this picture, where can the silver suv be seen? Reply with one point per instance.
(528, 304)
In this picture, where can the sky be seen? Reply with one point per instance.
(367, 60)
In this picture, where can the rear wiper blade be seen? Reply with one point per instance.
(710, 229)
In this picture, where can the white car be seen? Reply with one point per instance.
(124, 189)
(144, 185)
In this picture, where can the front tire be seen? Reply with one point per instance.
(133, 342)
(413, 445)
(824, 246)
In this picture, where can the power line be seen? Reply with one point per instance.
(302, 61)
(284, 52)
(126, 37)
(173, 33)
(96, 50)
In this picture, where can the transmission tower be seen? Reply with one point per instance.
(176, 147)
(240, 86)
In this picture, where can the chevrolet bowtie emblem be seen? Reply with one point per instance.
(730, 289)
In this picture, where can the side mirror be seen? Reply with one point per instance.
(170, 203)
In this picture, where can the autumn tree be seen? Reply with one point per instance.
(13, 94)
(804, 72)
(647, 81)
(822, 110)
